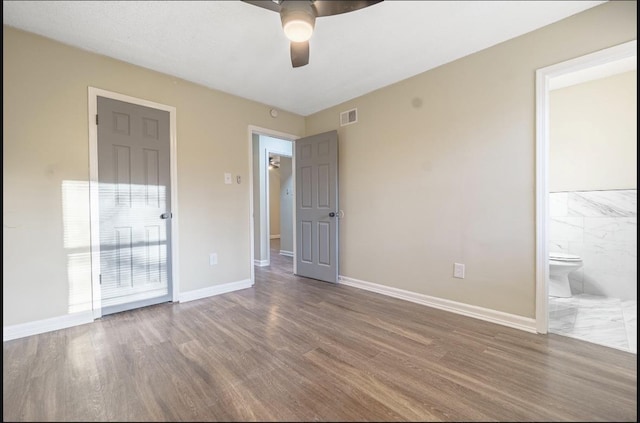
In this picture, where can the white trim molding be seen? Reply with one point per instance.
(286, 253)
(543, 82)
(46, 325)
(211, 291)
(75, 319)
(505, 319)
(261, 263)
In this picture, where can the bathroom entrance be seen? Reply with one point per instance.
(586, 198)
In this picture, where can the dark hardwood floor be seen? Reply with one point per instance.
(294, 349)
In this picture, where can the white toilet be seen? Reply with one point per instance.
(560, 265)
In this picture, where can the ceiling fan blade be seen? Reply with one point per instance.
(333, 7)
(299, 53)
(266, 4)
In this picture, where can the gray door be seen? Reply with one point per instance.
(135, 208)
(317, 206)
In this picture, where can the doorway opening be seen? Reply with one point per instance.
(280, 205)
(272, 200)
(586, 173)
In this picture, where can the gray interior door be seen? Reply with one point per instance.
(317, 206)
(134, 203)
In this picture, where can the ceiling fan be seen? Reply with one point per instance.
(299, 17)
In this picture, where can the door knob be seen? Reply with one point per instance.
(332, 214)
(165, 215)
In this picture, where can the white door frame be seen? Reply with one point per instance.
(256, 130)
(94, 93)
(543, 78)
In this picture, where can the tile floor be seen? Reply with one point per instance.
(606, 321)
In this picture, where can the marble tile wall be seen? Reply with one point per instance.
(600, 227)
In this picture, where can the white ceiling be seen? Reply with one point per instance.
(240, 49)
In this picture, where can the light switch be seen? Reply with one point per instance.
(227, 178)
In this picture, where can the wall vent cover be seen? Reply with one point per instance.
(348, 117)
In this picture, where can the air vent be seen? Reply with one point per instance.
(348, 117)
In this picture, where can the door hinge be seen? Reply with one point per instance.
(100, 278)
(96, 119)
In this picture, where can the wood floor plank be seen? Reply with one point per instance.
(296, 349)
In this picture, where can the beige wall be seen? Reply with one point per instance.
(274, 202)
(593, 133)
(45, 151)
(286, 204)
(440, 168)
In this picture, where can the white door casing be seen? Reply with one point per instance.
(135, 205)
(543, 78)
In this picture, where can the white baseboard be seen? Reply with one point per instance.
(75, 319)
(261, 263)
(46, 325)
(506, 319)
(274, 236)
(286, 253)
(210, 291)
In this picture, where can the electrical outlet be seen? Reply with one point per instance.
(458, 270)
(227, 178)
(213, 259)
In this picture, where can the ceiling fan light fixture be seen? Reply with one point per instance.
(298, 20)
(298, 30)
